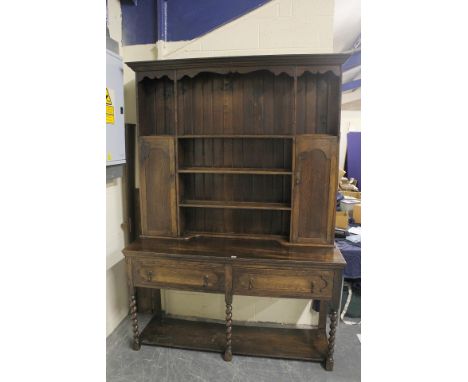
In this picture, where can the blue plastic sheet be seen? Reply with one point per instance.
(352, 254)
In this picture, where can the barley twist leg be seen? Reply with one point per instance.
(228, 351)
(133, 316)
(331, 341)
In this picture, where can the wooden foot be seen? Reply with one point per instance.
(227, 356)
(331, 341)
(228, 352)
(329, 364)
(133, 316)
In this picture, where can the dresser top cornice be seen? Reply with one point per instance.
(292, 65)
(289, 59)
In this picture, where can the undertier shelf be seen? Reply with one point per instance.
(303, 344)
(235, 205)
(235, 170)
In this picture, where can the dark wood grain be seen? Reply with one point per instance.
(228, 298)
(331, 340)
(276, 64)
(305, 344)
(238, 177)
(315, 185)
(178, 274)
(129, 183)
(247, 250)
(133, 317)
(157, 186)
(234, 205)
(234, 170)
(260, 153)
(242, 123)
(282, 282)
(145, 298)
(244, 222)
(323, 314)
(156, 107)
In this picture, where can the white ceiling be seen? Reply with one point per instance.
(346, 34)
(346, 24)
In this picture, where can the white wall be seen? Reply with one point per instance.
(279, 27)
(116, 285)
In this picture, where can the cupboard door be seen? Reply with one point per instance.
(157, 186)
(314, 189)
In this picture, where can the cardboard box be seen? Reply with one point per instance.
(348, 205)
(354, 194)
(341, 219)
(357, 213)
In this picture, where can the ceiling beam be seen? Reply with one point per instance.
(351, 96)
(353, 61)
(351, 85)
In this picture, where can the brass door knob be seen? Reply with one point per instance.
(298, 177)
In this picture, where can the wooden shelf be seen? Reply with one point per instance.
(234, 170)
(305, 344)
(235, 205)
(236, 136)
(232, 235)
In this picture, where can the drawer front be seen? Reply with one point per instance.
(283, 282)
(176, 274)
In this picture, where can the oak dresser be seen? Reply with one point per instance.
(238, 160)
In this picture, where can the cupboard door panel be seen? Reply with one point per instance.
(315, 185)
(157, 186)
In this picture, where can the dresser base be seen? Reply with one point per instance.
(302, 344)
(238, 268)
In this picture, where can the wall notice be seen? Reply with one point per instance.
(109, 109)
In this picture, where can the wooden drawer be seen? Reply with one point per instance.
(283, 282)
(176, 274)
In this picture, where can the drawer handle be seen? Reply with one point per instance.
(312, 286)
(205, 281)
(149, 275)
(251, 284)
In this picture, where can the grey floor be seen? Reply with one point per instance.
(174, 365)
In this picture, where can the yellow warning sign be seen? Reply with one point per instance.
(108, 98)
(109, 109)
(110, 114)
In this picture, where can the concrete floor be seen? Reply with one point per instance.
(173, 365)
